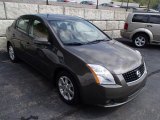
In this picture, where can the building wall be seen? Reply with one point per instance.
(110, 21)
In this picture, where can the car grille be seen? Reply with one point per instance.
(134, 74)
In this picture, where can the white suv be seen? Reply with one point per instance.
(142, 28)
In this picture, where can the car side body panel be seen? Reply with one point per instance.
(142, 30)
(48, 59)
(152, 30)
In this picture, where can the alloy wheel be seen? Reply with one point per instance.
(140, 41)
(11, 52)
(66, 88)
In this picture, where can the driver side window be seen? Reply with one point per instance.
(39, 31)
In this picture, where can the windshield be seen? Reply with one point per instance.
(80, 32)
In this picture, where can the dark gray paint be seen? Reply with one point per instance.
(113, 55)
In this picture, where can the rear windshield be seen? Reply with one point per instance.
(140, 18)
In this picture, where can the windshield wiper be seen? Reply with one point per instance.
(84, 43)
(97, 41)
(74, 43)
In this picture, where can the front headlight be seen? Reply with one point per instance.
(101, 74)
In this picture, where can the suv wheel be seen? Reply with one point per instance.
(140, 40)
(67, 88)
(11, 53)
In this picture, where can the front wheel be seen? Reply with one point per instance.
(140, 40)
(67, 88)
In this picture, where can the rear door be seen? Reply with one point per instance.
(21, 37)
(138, 21)
(154, 26)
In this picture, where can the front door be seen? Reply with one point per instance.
(38, 52)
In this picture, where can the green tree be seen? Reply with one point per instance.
(154, 3)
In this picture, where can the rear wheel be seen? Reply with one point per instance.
(140, 40)
(11, 53)
(67, 88)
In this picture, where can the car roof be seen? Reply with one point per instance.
(146, 13)
(55, 16)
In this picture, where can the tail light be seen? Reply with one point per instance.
(126, 26)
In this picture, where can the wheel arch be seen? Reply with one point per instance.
(143, 31)
(61, 69)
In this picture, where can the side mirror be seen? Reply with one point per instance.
(41, 41)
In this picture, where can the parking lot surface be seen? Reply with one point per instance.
(24, 92)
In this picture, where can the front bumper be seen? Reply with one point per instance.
(119, 102)
(113, 95)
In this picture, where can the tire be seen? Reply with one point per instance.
(140, 40)
(11, 53)
(67, 88)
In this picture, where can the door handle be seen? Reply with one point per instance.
(149, 25)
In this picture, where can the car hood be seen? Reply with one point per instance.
(115, 56)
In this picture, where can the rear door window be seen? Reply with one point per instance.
(155, 19)
(140, 18)
(22, 24)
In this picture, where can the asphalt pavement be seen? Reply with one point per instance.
(24, 93)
